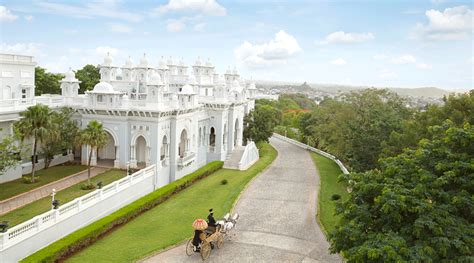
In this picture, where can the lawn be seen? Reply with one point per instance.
(40, 206)
(328, 173)
(170, 222)
(47, 176)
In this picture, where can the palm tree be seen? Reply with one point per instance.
(35, 123)
(95, 136)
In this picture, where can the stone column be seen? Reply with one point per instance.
(117, 157)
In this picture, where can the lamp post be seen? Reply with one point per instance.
(53, 193)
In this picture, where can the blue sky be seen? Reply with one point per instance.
(377, 43)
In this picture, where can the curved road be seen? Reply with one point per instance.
(277, 217)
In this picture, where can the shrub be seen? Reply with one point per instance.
(27, 180)
(335, 197)
(61, 249)
(224, 182)
(86, 186)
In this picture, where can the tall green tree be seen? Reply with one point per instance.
(95, 137)
(418, 207)
(62, 138)
(35, 123)
(9, 153)
(89, 76)
(46, 82)
(260, 122)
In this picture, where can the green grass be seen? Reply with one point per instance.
(47, 176)
(40, 206)
(170, 222)
(328, 173)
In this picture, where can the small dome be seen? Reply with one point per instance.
(186, 90)
(144, 61)
(235, 71)
(170, 61)
(128, 63)
(198, 62)
(228, 71)
(70, 76)
(103, 87)
(108, 60)
(163, 63)
(208, 63)
(181, 62)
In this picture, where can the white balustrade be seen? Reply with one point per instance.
(305, 146)
(31, 227)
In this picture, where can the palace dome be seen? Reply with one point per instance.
(155, 79)
(103, 87)
(186, 90)
(128, 63)
(108, 60)
(163, 63)
(144, 61)
(70, 76)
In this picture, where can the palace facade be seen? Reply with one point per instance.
(171, 115)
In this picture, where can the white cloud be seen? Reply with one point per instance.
(402, 60)
(119, 28)
(380, 56)
(423, 66)
(199, 27)
(29, 18)
(175, 25)
(454, 23)
(109, 9)
(387, 74)
(32, 49)
(338, 62)
(347, 38)
(275, 51)
(206, 7)
(6, 15)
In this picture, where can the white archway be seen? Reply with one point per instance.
(109, 154)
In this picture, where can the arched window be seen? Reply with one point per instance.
(164, 148)
(183, 144)
(212, 137)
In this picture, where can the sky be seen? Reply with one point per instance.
(407, 43)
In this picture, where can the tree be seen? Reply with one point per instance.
(46, 82)
(95, 137)
(89, 76)
(259, 123)
(36, 123)
(9, 153)
(417, 208)
(63, 136)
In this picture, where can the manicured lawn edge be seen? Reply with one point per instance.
(341, 188)
(266, 158)
(86, 236)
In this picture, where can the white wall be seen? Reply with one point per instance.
(123, 192)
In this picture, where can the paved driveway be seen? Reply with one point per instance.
(277, 217)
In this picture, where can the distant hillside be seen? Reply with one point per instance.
(427, 92)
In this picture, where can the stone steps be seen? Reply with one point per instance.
(232, 161)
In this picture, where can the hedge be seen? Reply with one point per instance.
(63, 248)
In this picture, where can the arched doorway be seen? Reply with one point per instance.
(107, 154)
(212, 139)
(236, 132)
(183, 144)
(140, 152)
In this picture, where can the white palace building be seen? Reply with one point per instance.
(170, 115)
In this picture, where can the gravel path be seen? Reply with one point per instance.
(277, 217)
